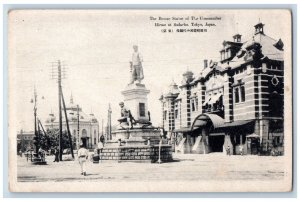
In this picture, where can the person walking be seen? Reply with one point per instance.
(82, 158)
(228, 150)
(56, 154)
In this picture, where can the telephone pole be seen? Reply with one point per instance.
(77, 127)
(102, 127)
(59, 80)
(60, 114)
(34, 112)
(109, 123)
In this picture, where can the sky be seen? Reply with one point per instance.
(95, 48)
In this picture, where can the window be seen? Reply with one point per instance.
(176, 110)
(196, 101)
(142, 109)
(239, 92)
(84, 133)
(193, 105)
(95, 140)
(228, 53)
(237, 95)
(242, 93)
(165, 115)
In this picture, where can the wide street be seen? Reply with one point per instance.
(214, 166)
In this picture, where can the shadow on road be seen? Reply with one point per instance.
(176, 161)
(90, 174)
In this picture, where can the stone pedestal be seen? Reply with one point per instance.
(135, 99)
(143, 133)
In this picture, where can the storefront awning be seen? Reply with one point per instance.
(215, 98)
(200, 123)
(236, 123)
(208, 101)
(182, 130)
(216, 120)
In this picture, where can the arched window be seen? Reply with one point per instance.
(84, 133)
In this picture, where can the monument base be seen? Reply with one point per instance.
(145, 133)
(141, 145)
(138, 154)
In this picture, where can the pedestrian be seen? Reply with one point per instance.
(56, 154)
(228, 150)
(41, 153)
(241, 150)
(82, 158)
(102, 140)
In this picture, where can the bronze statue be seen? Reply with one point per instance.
(136, 67)
(126, 116)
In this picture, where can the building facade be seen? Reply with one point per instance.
(235, 103)
(25, 140)
(83, 127)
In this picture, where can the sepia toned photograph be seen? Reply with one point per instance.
(150, 100)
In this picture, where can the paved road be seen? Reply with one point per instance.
(214, 166)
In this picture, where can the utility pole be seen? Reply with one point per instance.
(77, 144)
(109, 123)
(67, 122)
(102, 127)
(34, 112)
(39, 137)
(60, 114)
(58, 75)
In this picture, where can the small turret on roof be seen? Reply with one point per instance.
(259, 28)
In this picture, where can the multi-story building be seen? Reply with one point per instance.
(235, 103)
(82, 126)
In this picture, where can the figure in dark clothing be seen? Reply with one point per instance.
(56, 153)
(102, 139)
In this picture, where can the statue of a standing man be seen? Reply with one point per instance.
(136, 67)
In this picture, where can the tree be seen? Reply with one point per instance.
(50, 140)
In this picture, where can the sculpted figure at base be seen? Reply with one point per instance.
(126, 116)
(136, 67)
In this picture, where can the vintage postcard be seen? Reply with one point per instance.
(150, 100)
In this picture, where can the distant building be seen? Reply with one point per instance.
(25, 140)
(88, 125)
(234, 103)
